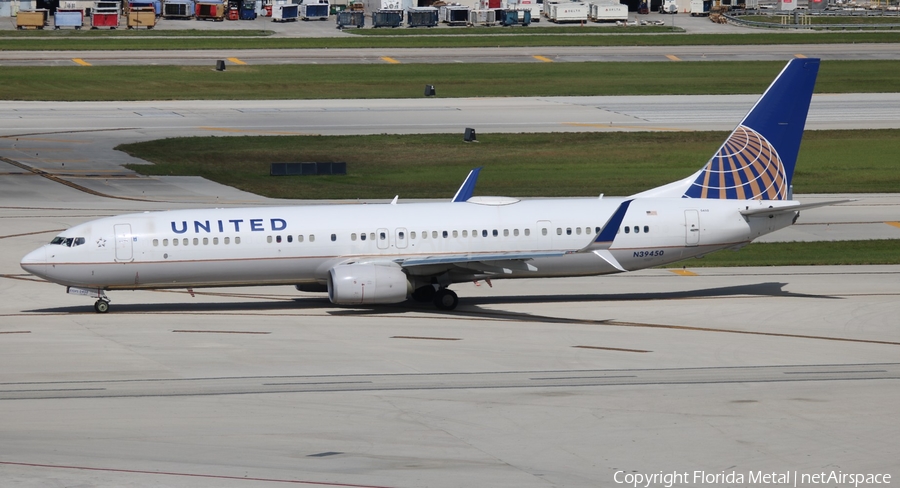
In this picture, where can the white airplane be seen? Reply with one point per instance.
(373, 254)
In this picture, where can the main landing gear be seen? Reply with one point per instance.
(101, 305)
(443, 298)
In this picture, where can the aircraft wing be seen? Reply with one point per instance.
(750, 212)
(498, 263)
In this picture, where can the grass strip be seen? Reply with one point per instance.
(519, 165)
(333, 81)
(452, 41)
(825, 253)
(820, 20)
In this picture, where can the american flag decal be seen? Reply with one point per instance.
(746, 167)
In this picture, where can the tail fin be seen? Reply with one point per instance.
(757, 160)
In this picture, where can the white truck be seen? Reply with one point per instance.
(700, 8)
(568, 12)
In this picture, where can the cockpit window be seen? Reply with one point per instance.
(68, 241)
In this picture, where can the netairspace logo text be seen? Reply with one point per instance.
(775, 478)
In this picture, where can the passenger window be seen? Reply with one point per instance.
(465, 233)
(402, 235)
(516, 232)
(637, 229)
(544, 231)
(215, 241)
(165, 242)
(424, 234)
(196, 241)
(290, 238)
(568, 231)
(237, 240)
(596, 230)
(185, 241)
(528, 232)
(155, 242)
(353, 236)
(206, 241)
(269, 239)
(174, 242)
(578, 230)
(474, 233)
(495, 233)
(484, 233)
(559, 231)
(455, 234)
(646, 229)
(226, 240)
(627, 229)
(278, 239)
(382, 236)
(312, 238)
(372, 236)
(445, 234)
(505, 232)
(334, 237)
(434, 234)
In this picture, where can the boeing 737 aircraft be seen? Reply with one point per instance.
(372, 254)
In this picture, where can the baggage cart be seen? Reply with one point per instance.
(455, 14)
(516, 17)
(141, 17)
(347, 18)
(248, 10)
(285, 13)
(68, 18)
(422, 17)
(483, 17)
(156, 5)
(31, 19)
(178, 9)
(105, 17)
(387, 18)
(314, 11)
(210, 10)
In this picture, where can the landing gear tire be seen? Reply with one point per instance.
(446, 299)
(424, 294)
(101, 306)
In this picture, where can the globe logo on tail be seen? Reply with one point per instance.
(746, 167)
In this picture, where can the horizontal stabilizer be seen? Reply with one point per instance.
(750, 212)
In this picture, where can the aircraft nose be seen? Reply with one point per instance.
(35, 261)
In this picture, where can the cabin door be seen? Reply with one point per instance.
(124, 250)
(691, 228)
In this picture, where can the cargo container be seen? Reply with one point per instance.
(178, 9)
(105, 17)
(700, 7)
(347, 18)
(210, 10)
(482, 17)
(516, 17)
(248, 10)
(568, 12)
(607, 11)
(31, 19)
(141, 17)
(455, 14)
(387, 18)
(68, 18)
(284, 12)
(314, 10)
(422, 17)
(532, 5)
(156, 5)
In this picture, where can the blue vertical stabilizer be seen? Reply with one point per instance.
(757, 160)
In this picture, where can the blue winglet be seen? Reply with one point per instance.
(468, 187)
(757, 160)
(608, 234)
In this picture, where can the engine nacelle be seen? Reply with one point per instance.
(359, 284)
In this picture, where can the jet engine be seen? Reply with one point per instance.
(360, 284)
